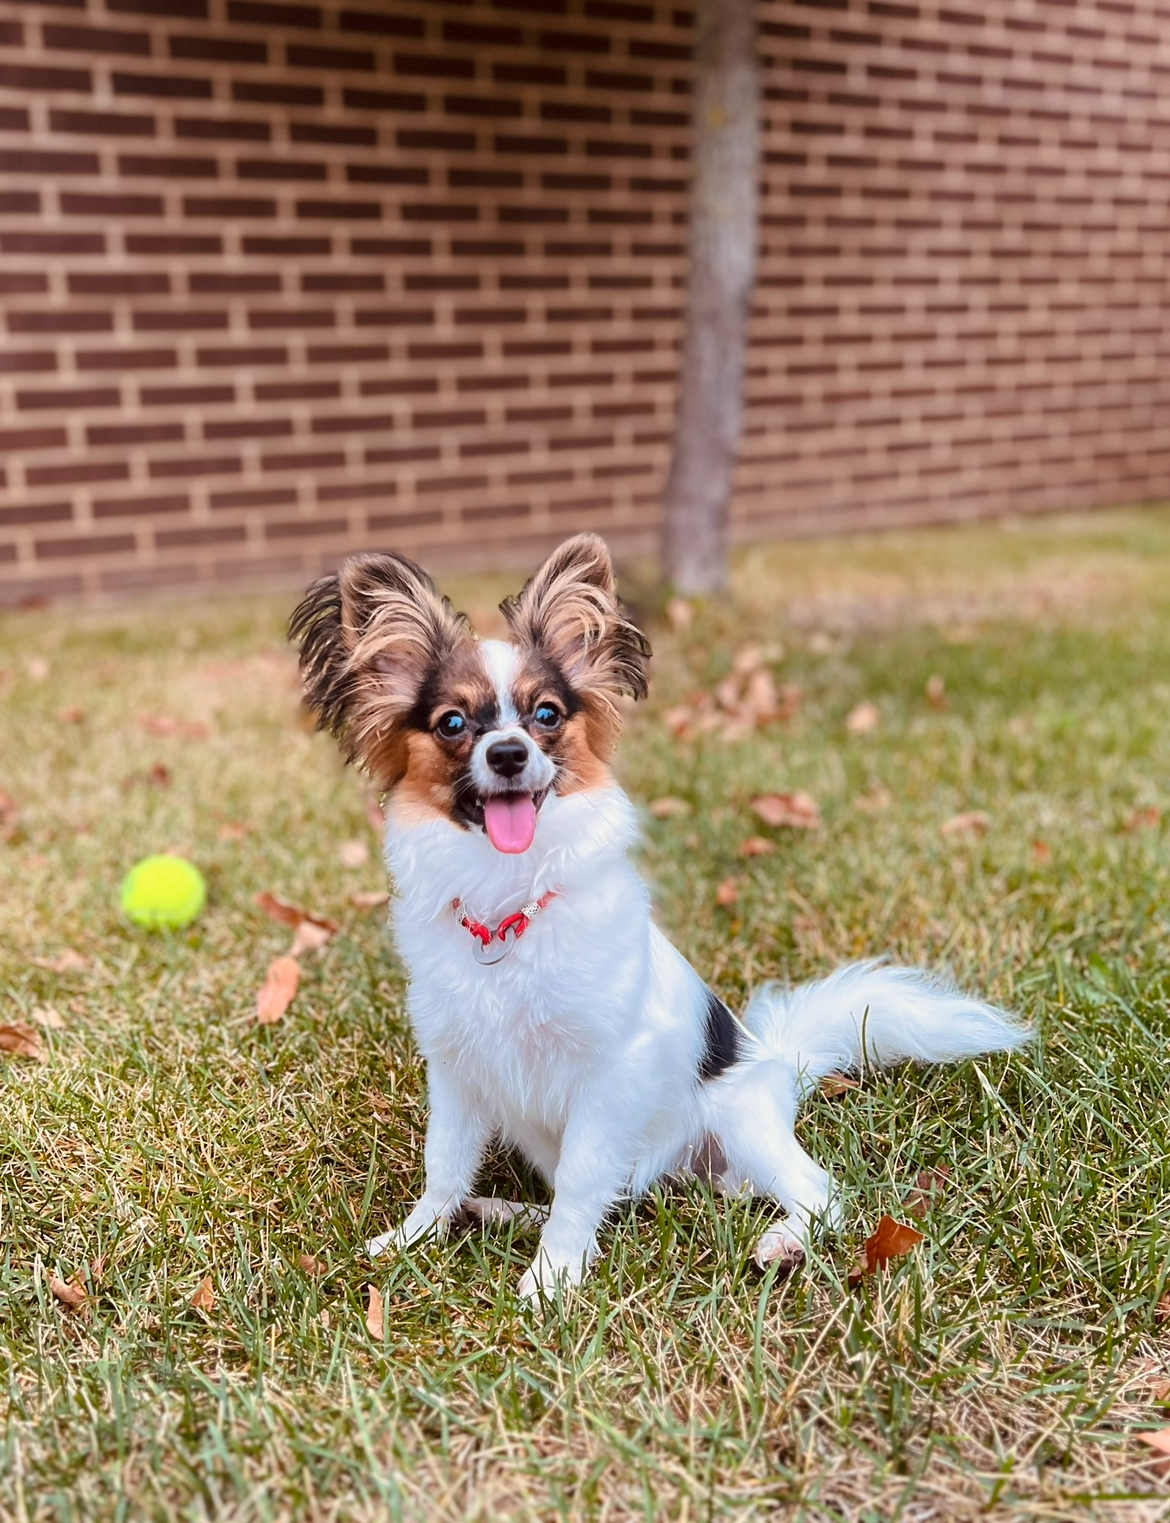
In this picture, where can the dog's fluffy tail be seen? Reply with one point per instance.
(871, 1014)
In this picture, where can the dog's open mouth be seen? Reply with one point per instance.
(510, 819)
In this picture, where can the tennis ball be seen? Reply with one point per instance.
(163, 893)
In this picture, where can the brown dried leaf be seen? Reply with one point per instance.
(1041, 851)
(310, 936)
(70, 714)
(669, 808)
(278, 990)
(1159, 1440)
(70, 1293)
(22, 1041)
(875, 799)
(68, 961)
(353, 854)
(798, 810)
(1162, 1310)
(936, 691)
(834, 1085)
(167, 724)
(233, 830)
(369, 899)
(46, 1016)
(374, 814)
(204, 1297)
(310, 1265)
(864, 718)
(9, 816)
(971, 822)
(375, 1315)
(158, 776)
(890, 1240)
(292, 914)
(756, 846)
(727, 893)
(679, 720)
(679, 613)
(1143, 819)
(928, 1190)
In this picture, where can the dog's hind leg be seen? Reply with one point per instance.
(491, 1211)
(751, 1114)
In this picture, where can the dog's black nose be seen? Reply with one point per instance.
(507, 758)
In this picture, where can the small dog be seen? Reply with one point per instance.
(551, 1011)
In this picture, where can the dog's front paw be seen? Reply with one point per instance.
(423, 1221)
(545, 1275)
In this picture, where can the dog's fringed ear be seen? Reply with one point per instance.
(368, 637)
(570, 611)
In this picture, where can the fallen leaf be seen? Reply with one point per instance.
(22, 1041)
(1158, 1440)
(369, 899)
(70, 714)
(864, 718)
(669, 808)
(1143, 819)
(46, 1016)
(292, 914)
(875, 799)
(69, 1293)
(1041, 851)
(375, 1319)
(756, 846)
(374, 814)
(309, 936)
(310, 1265)
(233, 830)
(278, 990)
(970, 822)
(353, 854)
(928, 1190)
(936, 691)
(727, 893)
(158, 775)
(9, 816)
(797, 810)
(166, 724)
(890, 1240)
(1162, 1310)
(68, 961)
(834, 1085)
(679, 613)
(204, 1297)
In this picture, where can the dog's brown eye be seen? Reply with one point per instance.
(547, 716)
(451, 725)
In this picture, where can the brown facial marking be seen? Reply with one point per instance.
(370, 636)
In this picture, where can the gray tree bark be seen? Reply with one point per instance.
(722, 273)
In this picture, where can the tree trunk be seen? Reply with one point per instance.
(722, 272)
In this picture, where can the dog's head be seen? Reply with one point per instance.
(478, 732)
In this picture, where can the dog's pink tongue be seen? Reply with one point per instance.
(510, 821)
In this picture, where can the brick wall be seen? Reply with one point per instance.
(281, 280)
(965, 291)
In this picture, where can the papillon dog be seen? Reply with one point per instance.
(552, 1012)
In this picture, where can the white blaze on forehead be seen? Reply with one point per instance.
(502, 662)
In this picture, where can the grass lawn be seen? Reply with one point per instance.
(169, 1142)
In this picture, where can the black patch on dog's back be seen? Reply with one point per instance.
(720, 1039)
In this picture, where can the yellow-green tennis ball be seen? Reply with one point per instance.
(163, 893)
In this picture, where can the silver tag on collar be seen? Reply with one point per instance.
(495, 950)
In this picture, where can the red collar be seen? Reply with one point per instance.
(491, 946)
